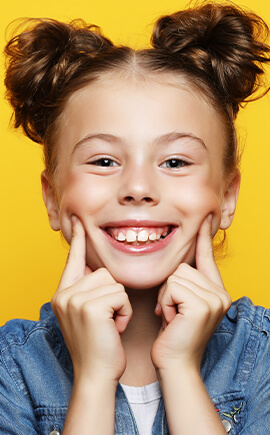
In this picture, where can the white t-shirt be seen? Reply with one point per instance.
(144, 402)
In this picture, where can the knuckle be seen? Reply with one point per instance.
(88, 310)
(218, 305)
(227, 301)
(223, 300)
(170, 281)
(164, 299)
(73, 304)
(205, 311)
(104, 275)
(184, 268)
(124, 297)
(58, 302)
(121, 288)
(103, 271)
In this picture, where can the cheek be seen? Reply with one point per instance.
(82, 198)
(197, 201)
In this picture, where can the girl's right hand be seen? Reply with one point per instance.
(92, 310)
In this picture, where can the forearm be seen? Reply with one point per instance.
(188, 406)
(91, 409)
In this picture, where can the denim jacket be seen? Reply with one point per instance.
(36, 376)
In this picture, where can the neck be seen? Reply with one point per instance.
(139, 337)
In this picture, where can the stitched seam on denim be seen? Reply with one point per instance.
(52, 411)
(123, 398)
(267, 314)
(249, 356)
(244, 309)
(22, 343)
(260, 328)
(164, 423)
(25, 430)
(24, 390)
(2, 340)
(51, 418)
(254, 324)
(222, 331)
(7, 359)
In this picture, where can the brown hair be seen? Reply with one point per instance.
(218, 49)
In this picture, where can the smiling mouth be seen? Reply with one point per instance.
(138, 236)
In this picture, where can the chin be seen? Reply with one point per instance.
(139, 280)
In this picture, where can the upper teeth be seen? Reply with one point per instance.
(138, 235)
(131, 236)
(121, 237)
(141, 236)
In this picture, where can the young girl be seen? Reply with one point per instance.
(141, 171)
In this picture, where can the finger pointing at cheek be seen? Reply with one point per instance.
(76, 263)
(205, 261)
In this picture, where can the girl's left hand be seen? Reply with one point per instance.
(192, 303)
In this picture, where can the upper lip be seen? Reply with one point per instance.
(137, 223)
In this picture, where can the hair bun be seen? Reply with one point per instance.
(222, 42)
(42, 58)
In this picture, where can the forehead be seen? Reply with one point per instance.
(140, 109)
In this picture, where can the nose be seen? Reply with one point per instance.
(138, 187)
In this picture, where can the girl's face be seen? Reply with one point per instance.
(141, 165)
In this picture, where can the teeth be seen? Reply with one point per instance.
(121, 237)
(131, 236)
(143, 236)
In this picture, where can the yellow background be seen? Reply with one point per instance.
(32, 256)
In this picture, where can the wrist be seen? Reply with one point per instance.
(92, 404)
(96, 384)
(181, 365)
(179, 372)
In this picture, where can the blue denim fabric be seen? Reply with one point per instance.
(36, 376)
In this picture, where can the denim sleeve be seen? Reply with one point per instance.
(16, 411)
(258, 391)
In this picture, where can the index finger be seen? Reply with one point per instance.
(205, 261)
(76, 261)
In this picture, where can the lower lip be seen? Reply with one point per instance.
(141, 249)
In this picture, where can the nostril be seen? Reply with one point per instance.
(144, 199)
(129, 198)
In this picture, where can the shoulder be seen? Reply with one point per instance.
(35, 375)
(32, 352)
(240, 344)
(18, 332)
(243, 314)
(236, 367)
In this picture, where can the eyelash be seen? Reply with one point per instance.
(173, 163)
(178, 163)
(104, 162)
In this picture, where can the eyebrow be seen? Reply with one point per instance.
(171, 137)
(167, 138)
(102, 136)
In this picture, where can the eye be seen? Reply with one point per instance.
(104, 162)
(174, 163)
